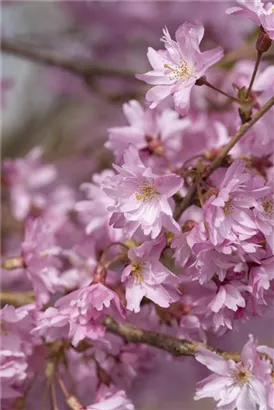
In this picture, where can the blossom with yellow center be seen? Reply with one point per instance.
(268, 206)
(179, 71)
(242, 375)
(228, 208)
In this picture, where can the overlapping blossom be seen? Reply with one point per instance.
(143, 200)
(146, 276)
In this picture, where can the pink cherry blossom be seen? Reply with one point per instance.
(156, 131)
(16, 325)
(260, 278)
(86, 308)
(233, 385)
(94, 211)
(38, 250)
(184, 242)
(229, 295)
(25, 177)
(111, 400)
(265, 80)
(156, 241)
(16, 348)
(264, 216)
(261, 13)
(146, 277)
(269, 380)
(176, 69)
(143, 199)
(52, 325)
(228, 213)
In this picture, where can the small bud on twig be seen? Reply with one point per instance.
(263, 42)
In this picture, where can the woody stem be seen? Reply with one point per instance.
(234, 99)
(259, 55)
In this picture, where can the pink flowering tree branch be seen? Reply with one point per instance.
(185, 203)
(173, 345)
(174, 243)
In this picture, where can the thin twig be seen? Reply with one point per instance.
(258, 59)
(220, 158)
(53, 395)
(176, 347)
(45, 396)
(79, 66)
(234, 99)
(63, 387)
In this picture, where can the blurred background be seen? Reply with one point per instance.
(69, 115)
(54, 106)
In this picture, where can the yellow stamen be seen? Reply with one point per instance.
(268, 206)
(243, 375)
(145, 192)
(136, 269)
(178, 71)
(228, 208)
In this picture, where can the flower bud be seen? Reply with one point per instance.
(263, 42)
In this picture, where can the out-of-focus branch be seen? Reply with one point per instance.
(177, 347)
(16, 298)
(247, 52)
(220, 158)
(82, 67)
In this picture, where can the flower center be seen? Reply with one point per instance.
(242, 375)
(136, 269)
(145, 192)
(178, 71)
(228, 208)
(268, 206)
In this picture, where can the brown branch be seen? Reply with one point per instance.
(82, 67)
(176, 347)
(132, 334)
(247, 52)
(220, 158)
(16, 298)
(241, 131)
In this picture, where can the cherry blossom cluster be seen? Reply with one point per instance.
(123, 245)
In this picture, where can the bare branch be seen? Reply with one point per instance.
(82, 67)
(177, 347)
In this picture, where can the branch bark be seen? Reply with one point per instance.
(220, 158)
(81, 67)
(176, 347)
